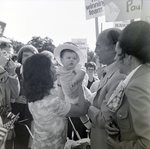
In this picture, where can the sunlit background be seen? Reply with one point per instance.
(60, 20)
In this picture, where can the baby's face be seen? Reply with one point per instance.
(69, 60)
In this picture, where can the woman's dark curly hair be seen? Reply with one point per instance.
(37, 77)
(135, 40)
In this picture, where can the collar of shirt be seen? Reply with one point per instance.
(21, 69)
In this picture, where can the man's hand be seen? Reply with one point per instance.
(10, 68)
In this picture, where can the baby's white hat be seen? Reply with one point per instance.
(72, 47)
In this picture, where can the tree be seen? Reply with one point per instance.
(16, 45)
(42, 44)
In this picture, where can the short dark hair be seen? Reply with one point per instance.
(26, 48)
(37, 77)
(91, 64)
(135, 40)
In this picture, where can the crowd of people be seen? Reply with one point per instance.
(50, 91)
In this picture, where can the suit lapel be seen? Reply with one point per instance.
(102, 84)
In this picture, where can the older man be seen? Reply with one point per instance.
(98, 113)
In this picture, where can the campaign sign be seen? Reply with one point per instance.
(121, 24)
(82, 45)
(146, 11)
(119, 10)
(94, 8)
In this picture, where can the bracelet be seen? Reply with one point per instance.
(86, 121)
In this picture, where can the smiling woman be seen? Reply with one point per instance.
(131, 103)
(49, 111)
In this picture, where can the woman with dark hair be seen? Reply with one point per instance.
(130, 128)
(47, 109)
(20, 104)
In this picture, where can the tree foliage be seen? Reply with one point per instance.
(42, 43)
(16, 45)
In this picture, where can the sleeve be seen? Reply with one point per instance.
(85, 80)
(139, 103)
(94, 86)
(88, 94)
(80, 67)
(14, 86)
(62, 106)
(99, 116)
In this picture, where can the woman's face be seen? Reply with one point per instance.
(123, 63)
(25, 55)
(90, 71)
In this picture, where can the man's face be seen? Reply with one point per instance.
(102, 50)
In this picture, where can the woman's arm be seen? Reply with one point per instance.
(83, 105)
(78, 77)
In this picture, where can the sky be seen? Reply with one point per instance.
(60, 20)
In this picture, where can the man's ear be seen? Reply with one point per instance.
(129, 59)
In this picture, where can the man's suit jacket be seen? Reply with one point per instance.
(98, 113)
(133, 117)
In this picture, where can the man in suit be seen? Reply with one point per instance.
(98, 113)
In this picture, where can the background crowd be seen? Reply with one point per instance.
(106, 100)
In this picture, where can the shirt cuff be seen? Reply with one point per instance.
(14, 76)
(92, 111)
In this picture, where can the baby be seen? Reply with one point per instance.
(70, 73)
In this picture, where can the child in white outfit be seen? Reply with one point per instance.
(70, 73)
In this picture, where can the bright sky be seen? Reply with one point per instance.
(60, 20)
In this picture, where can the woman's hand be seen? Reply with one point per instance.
(111, 129)
(113, 133)
(112, 142)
